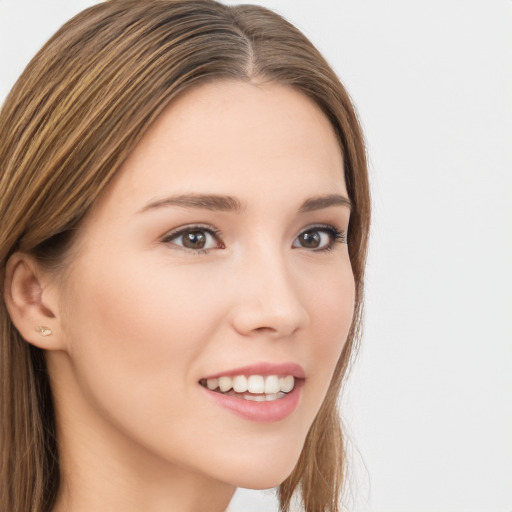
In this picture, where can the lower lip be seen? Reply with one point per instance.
(264, 412)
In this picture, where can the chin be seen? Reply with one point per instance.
(262, 478)
(261, 470)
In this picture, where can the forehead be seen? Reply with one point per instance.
(235, 139)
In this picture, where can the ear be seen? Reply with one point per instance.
(31, 302)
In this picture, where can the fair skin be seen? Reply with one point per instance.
(146, 311)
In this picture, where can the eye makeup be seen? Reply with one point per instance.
(197, 238)
(314, 238)
(202, 238)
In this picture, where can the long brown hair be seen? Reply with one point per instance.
(74, 115)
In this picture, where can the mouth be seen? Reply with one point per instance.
(256, 388)
(262, 392)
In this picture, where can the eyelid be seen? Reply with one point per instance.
(175, 233)
(327, 227)
(339, 235)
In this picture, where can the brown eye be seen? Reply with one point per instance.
(318, 238)
(310, 239)
(195, 238)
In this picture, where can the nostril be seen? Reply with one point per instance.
(264, 329)
(278, 331)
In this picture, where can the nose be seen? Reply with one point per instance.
(268, 300)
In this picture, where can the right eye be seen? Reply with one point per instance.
(195, 238)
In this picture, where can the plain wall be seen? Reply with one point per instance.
(429, 403)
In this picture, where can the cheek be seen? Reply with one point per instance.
(133, 341)
(335, 313)
(332, 307)
(134, 313)
(332, 310)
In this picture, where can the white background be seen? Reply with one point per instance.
(429, 403)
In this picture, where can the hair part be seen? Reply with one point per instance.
(75, 114)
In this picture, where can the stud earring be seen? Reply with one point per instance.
(43, 330)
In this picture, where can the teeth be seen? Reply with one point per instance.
(240, 384)
(256, 384)
(287, 385)
(225, 383)
(212, 384)
(255, 398)
(263, 388)
(272, 385)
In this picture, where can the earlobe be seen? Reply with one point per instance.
(29, 303)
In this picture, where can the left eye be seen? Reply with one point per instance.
(194, 238)
(317, 238)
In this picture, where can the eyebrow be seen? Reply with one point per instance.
(321, 202)
(224, 203)
(200, 201)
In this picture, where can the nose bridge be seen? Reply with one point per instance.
(269, 300)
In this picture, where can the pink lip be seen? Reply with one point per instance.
(280, 369)
(265, 412)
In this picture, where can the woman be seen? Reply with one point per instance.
(182, 294)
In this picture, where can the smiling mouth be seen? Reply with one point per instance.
(256, 388)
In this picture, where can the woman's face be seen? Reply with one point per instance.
(217, 252)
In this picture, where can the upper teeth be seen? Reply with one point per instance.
(253, 384)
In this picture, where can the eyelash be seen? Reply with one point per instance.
(337, 236)
(215, 233)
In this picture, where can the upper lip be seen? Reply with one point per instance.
(264, 369)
